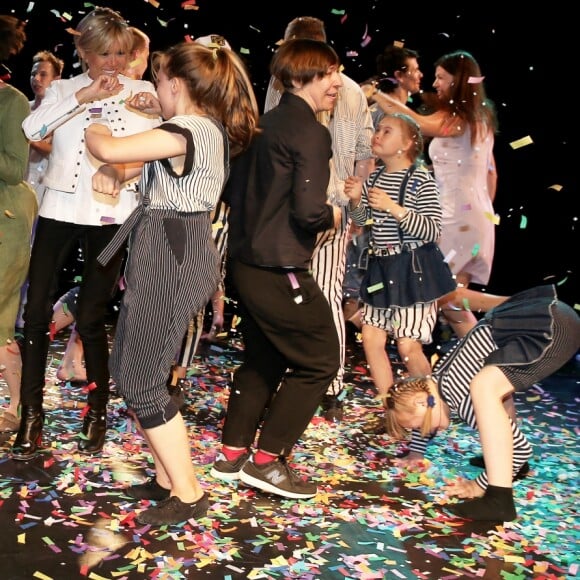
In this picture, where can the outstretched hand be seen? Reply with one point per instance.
(463, 488)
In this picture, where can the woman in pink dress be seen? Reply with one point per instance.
(463, 124)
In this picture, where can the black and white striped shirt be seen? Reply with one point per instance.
(454, 373)
(199, 186)
(423, 220)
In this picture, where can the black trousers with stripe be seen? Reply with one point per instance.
(291, 355)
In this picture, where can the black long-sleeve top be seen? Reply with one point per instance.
(277, 189)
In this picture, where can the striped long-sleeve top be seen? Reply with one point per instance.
(423, 220)
(454, 373)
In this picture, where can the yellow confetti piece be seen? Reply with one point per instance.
(527, 140)
(9, 214)
(153, 3)
(556, 187)
(494, 219)
(21, 538)
(399, 43)
(42, 576)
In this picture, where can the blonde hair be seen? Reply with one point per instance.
(99, 30)
(400, 399)
(218, 83)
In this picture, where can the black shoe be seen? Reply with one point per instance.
(277, 477)
(148, 490)
(522, 473)
(94, 430)
(173, 511)
(29, 437)
(332, 408)
(228, 470)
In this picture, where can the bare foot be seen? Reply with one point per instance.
(72, 372)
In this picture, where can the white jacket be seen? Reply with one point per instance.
(69, 195)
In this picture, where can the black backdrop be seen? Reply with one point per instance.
(522, 56)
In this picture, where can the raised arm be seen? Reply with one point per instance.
(438, 124)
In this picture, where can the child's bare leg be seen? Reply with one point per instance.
(413, 357)
(11, 369)
(488, 391)
(374, 343)
(71, 367)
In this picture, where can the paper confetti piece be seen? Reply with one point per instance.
(527, 140)
(556, 187)
(9, 214)
(375, 287)
(523, 222)
(451, 254)
(475, 80)
(494, 219)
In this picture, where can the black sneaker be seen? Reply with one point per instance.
(173, 511)
(228, 470)
(277, 477)
(148, 490)
(332, 407)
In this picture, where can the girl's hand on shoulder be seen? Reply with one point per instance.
(462, 488)
(145, 102)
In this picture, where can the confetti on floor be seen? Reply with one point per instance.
(65, 516)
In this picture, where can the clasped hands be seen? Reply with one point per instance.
(377, 198)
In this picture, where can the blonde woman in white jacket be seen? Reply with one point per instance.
(71, 212)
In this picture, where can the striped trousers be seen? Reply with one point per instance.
(172, 270)
(328, 267)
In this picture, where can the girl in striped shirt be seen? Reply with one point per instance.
(396, 228)
(520, 342)
(207, 100)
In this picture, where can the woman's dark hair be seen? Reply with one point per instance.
(393, 59)
(12, 36)
(467, 99)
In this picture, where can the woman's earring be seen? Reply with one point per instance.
(399, 152)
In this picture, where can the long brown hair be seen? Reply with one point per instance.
(467, 99)
(218, 83)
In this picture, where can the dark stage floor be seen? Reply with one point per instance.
(65, 517)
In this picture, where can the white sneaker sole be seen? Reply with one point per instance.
(224, 476)
(265, 486)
